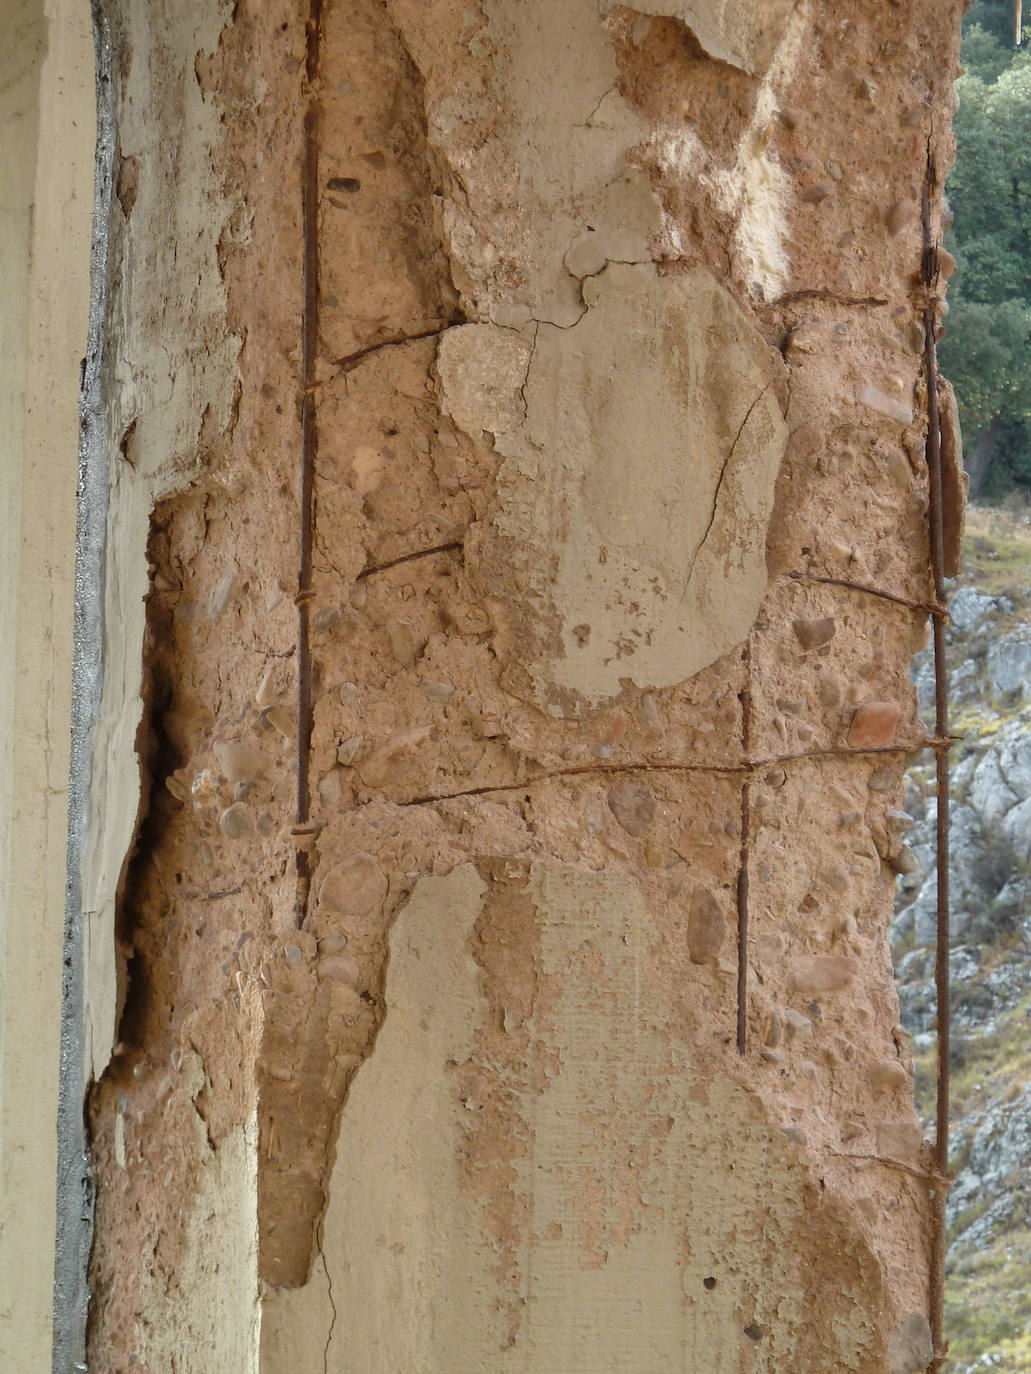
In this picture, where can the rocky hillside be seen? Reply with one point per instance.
(989, 1295)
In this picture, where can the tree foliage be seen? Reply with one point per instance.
(987, 348)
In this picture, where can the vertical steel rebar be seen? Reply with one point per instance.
(742, 872)
(941, 745)
(309, 443)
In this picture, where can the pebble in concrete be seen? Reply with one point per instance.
(816, 973)
(632, 802)
(240, 762)
(401, 634)
(889, 1073)
(813, 633)
(237, 821)
(355, 887)
(706, 927)
(873, 724)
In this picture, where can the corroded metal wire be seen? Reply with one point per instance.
(942, 742)
(742, 872)
(302, 829)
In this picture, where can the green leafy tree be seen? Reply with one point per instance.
(987, 348)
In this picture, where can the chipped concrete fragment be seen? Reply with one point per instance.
(482, 369)
(180, 217)
(743, 33)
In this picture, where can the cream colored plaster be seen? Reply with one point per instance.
(551, 173)
(46, 165)
(611, 1171)
(642, 480)
(211, 1319)
(166, 267)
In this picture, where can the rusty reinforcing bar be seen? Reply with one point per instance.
(304, 831)
(942, 743)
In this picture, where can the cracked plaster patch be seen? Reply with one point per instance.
(482, 369)
(550, 175)
(636, 494)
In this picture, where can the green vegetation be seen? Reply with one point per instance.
(987, 347)
(990, 1310)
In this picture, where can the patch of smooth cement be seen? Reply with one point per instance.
(211, 1320)
(637, 492)
(164, 263)
(618, 1126)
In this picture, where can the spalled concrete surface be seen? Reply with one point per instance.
(46, 142)
(165, 391)
(619, 441)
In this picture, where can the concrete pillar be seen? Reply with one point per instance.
(618, 560)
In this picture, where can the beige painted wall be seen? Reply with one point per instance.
(46, 176)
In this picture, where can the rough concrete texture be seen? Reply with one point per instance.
(619, 427)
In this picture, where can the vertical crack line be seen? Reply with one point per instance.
(742, 872)
(329, 1294)
(716, 493)
(939, 1237)
(303, 831)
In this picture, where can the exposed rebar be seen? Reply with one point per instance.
(742, 871)
(942, 742)
(302, 830)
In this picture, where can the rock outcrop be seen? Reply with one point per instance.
(988, 1315)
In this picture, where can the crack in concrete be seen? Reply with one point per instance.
(529, 363)
(329, 1288)
(716, 494)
